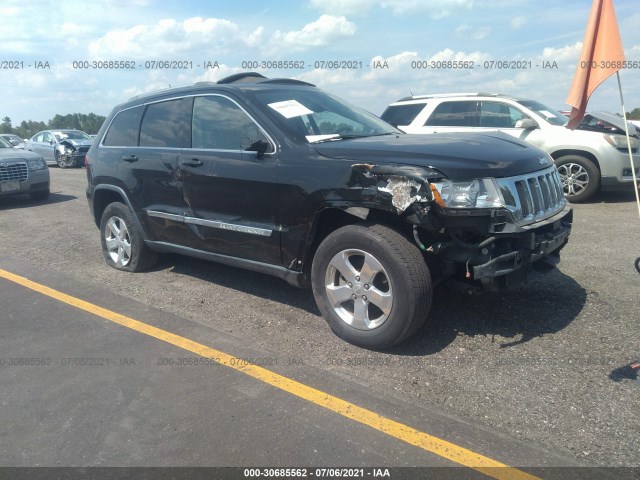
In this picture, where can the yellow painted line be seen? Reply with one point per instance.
(442, 448)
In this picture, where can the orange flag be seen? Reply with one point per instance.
(602, 55)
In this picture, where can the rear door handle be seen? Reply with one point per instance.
(194, 162)
(129, 158)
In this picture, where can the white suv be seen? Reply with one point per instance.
(593, 157)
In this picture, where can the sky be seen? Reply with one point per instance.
(54, 55)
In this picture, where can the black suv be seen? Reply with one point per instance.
(279, 177)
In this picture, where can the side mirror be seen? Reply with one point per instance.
(15, 143)
(527, 124)
(258, 146)
(51, 142)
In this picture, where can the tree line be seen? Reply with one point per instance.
(88, 123)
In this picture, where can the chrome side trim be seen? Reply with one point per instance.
(295, 278)
(168, 216)
(264, 232)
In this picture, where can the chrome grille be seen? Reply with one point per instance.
(533, 197)
(12, 172)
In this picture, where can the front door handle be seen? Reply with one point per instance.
(194, 162)
(129, 158)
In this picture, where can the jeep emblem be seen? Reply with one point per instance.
(543, 161)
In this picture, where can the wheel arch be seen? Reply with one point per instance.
(330, 219)
(103, 195)
(581, 153)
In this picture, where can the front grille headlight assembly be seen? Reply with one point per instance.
(36, 165)
(477, 193)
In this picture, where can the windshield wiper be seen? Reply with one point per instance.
(385, 133)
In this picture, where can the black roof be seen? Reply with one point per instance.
(245, 80)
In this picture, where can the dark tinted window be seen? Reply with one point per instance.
(454, 114)
(124, 128)
(218, 123)
(402, 114)
(499, 115)
(163, 124)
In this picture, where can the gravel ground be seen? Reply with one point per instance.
(542, 363)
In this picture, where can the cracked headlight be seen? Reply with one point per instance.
(37, 164)
(478, 193)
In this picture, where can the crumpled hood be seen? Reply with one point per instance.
(456, 155)
(614, 120)
(77, 143)
(14, 154)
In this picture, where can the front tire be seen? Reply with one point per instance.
(580, 177)
(122, 243)
(61, 160)
(372, 285)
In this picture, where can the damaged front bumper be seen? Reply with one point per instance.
(510, 258)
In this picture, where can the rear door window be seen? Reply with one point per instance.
(164, 124)
(499, 115)
(454, 114)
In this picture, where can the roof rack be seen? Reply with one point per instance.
(444, 95)
(255, 77)
(288, 81)
(245, 77)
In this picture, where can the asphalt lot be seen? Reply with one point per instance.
(538, 366)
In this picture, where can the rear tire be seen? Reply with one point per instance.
(372, 285)
(122, 243)
(580, 177)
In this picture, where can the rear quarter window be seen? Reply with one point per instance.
(123, 131)
(402, 114)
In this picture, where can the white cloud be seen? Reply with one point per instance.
(324, 31)
(436, 8)
(344, 7)
(568, 54)
(9, 12)
(518, 22)
(477, 33)
(170, 37)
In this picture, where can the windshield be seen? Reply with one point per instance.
(72, 135)
(549, 114)
(316, 116)
(4, 143)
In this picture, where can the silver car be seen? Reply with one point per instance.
(22, 172)
(590, 158)
(14, 140)
(65, 148)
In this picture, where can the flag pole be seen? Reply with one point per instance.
(626, 129)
